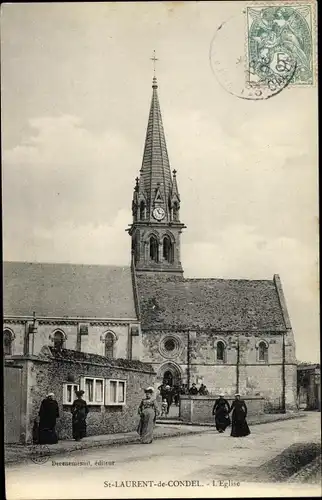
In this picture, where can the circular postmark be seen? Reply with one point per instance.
(39, 453)
(247, 57)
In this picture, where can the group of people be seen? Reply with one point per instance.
(149, 411)
(44, 431)
(168, 396)
(238, 409)
(171, 395)
(194, 391)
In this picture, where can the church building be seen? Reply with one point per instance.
(147, 318)
(229, 334)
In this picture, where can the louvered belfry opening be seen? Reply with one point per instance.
(154, 249)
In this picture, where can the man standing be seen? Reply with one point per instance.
(193, 391)
(168, 397)
(176, 395)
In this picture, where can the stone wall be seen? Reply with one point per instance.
(125, 345)
(198, 409)
(101, 419)
(41, 376)
(255, 376)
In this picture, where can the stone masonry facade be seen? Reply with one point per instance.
(263, 378)
(50, 371)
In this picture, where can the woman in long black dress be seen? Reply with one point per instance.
(48, 413)
(239, 426)
(79, 414)
(221, 411)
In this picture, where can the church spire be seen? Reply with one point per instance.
(156, 226)
(155, 172)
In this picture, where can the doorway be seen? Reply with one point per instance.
(168, 378)
(170, 374)
(12, 404)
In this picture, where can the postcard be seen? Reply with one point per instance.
(160, 239)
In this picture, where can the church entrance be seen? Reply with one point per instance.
(168, 378)
(170, 374)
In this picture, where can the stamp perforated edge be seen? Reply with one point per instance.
(314, 33)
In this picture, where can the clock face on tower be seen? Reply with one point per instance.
(158, 213)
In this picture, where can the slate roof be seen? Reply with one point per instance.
(219, 304)
(67, 290)
(155, 171)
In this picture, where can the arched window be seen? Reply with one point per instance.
(109, 345)
(142, 210)
(154, 249)
(58, 340)
(263, 351)
(167, 249)
(220, 351)
(7, 342)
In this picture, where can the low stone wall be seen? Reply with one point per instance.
(198, 409)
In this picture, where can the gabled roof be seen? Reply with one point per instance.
(219, 304)
(67, 290)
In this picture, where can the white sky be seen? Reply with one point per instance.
(76, 90)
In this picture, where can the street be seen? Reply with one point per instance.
(206, 462)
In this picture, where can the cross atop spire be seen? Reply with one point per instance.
(154, 59)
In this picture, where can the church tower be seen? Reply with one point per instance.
(156, 226)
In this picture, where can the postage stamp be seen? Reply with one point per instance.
(280, 43)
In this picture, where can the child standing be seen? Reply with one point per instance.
(164, 408)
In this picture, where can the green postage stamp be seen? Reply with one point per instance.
(281, 43)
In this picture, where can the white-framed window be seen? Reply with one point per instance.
(69, 395)
(93, 390)
(115, 392)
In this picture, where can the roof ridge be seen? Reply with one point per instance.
(116, 266)
(228, 279)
